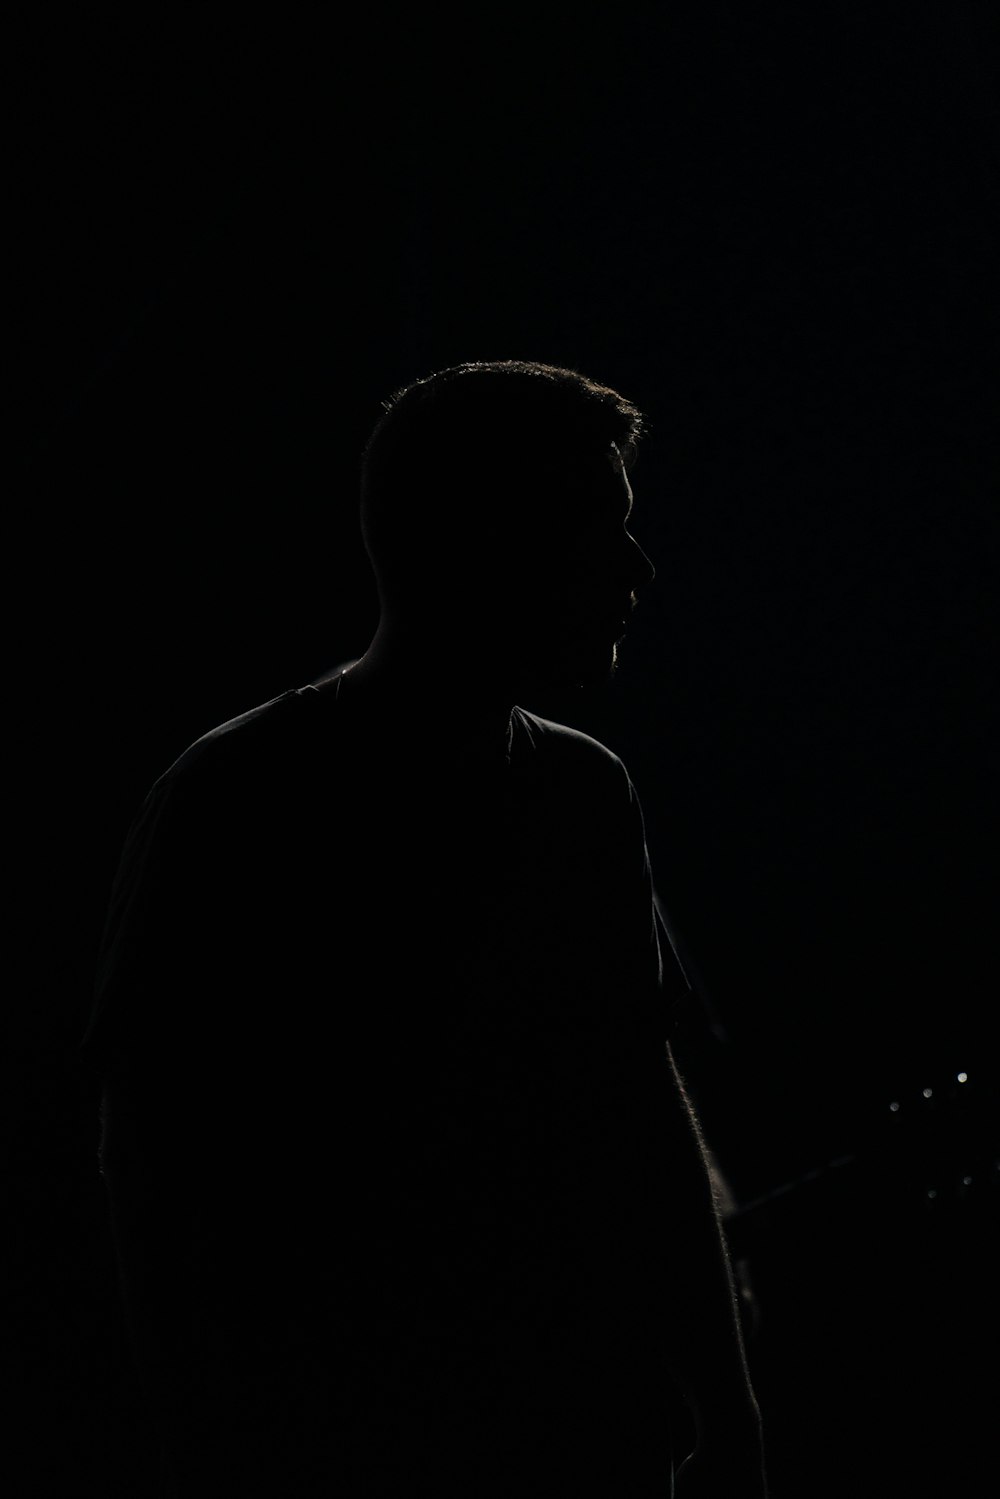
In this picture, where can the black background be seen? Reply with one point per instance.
(775, 229)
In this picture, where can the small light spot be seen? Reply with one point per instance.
(928, 1092)
(931, 1191)
(894, 1108)
(963, 1077)
(966, 1181)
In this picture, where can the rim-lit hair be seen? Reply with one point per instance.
(486, 448)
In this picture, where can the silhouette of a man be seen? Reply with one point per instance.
(407, 1194)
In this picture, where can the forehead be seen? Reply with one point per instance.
(621, 473)
(604, 482)
(570, 491)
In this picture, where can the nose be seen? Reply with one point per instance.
(644, 569)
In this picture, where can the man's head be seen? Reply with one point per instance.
(494, 500)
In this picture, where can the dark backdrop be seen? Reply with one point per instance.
(774, 229)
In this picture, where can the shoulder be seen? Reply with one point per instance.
(568, 744)
(253, 743)
(570, 753)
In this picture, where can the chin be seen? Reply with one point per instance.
(602, 672)
(595, 669)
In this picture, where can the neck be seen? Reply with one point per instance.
(407, 667)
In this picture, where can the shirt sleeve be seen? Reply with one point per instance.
(155, 932)
(104, 1046)
(656, 948)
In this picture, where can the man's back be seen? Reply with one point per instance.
(380, 1025)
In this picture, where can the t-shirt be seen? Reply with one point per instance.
(381, 1030)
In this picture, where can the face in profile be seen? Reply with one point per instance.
(576, 607)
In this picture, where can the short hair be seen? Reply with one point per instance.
(490, 447)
